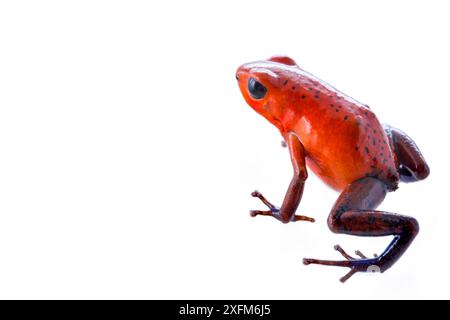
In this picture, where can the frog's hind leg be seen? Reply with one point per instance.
(412, 165)
(354, 214)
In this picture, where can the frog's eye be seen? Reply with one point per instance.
(256, 89)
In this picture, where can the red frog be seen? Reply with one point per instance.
(343, 143)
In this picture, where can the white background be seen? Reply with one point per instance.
(127, 154)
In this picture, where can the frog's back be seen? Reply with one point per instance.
(343, 138)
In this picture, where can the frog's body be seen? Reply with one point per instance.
(343, 139)
(339, 138)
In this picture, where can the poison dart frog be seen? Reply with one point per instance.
(342, 141)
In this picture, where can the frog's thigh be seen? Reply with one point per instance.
(412, 164)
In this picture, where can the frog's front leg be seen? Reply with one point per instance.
(286, 213)
(354, 214)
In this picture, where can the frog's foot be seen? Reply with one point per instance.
(274, 211)
(356, 265)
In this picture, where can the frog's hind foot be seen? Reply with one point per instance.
(356, 265)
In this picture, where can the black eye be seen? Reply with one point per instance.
(256, 89)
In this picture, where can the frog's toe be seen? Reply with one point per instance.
(254, 213)
(257, 194)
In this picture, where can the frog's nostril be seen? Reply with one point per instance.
(237, 77)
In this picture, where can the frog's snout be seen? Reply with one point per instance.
(242, 73)
(239, 73)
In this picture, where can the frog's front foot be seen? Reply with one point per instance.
(275, 211)
(355, 264)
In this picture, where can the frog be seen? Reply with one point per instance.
(343, 143)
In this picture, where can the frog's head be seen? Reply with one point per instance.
(264, 85)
